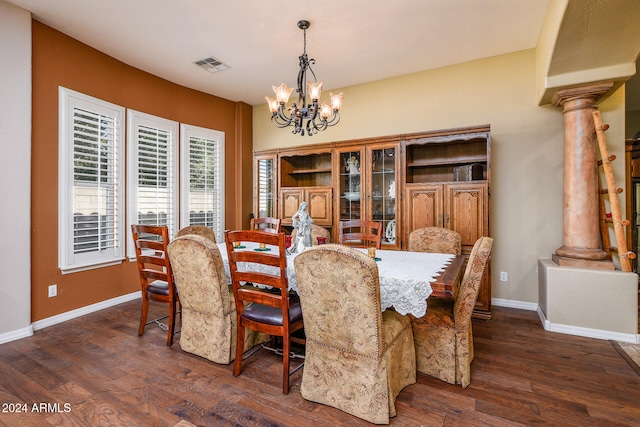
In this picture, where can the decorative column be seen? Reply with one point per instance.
(581, 241)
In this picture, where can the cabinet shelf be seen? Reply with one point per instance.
(425, 163)
(306, 171)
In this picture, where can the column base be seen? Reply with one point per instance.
(583, 263)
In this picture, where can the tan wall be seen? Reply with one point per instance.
(527, 147)
(59, 60)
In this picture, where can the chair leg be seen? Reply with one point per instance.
(239, 348)
(286, 349)
(143, 313)
(172, 322)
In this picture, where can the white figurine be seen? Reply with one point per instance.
(392, 189)
(353, 165)
(390, 232)
(302, 222)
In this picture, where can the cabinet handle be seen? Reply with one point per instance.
(446, 219)
(440, 220)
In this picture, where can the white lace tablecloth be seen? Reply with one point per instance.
(404, 276)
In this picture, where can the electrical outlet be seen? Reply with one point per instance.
(503, 276)
(53, 290)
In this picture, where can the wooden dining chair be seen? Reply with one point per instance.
(199, 230)
(267, 224)
(275, 313)
(435, 240)
(443, 337)
(208, 307)
(357, 358)
(361, 233)
(156, 275)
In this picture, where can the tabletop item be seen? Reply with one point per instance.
(302, 223)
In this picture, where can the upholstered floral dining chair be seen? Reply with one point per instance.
(208, 306)
(435, 240)
(197, 229)
(443, 339)
(358, 358)
(316, 231)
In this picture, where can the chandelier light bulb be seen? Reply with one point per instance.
(325, 111)
(273, 104)
(315, 89)
(282, 93)
(336, 100)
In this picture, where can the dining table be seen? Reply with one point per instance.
(407, 279)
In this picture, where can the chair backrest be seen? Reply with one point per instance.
(436, 240)
(361, 233)
(199, 272)
(470, 285)
(199, 230)
(266, 224)
(316, 231)
(340, 298)
(276, 276)
(151, 243)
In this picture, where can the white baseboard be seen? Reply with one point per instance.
(62, 317)
(16, 335)
(523, 305)
(586, 332)
(566, 329)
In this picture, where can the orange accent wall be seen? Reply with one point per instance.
(59, 60)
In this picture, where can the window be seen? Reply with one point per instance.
(90, 193)
(152, 156)
(202, 178)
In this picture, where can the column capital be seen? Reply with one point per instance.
(594, 91)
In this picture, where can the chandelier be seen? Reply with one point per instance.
(318, 116)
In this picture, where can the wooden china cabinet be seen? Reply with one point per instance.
(367, 186)
(306, 176)
(411, 181)
(447, 185)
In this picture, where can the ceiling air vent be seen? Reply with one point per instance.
(212, 64)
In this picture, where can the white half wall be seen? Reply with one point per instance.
(15, 171)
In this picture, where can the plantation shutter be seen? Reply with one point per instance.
(203, 183)
(152, 179)
(90, 184)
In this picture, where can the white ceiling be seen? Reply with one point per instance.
(353, 42)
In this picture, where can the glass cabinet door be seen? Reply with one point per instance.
(350, 184)
(265, 187)
(383, 192)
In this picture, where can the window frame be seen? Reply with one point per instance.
(135, 119)
(70, 260)
(186, 133)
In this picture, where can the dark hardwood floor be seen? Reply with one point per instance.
(96, 371)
